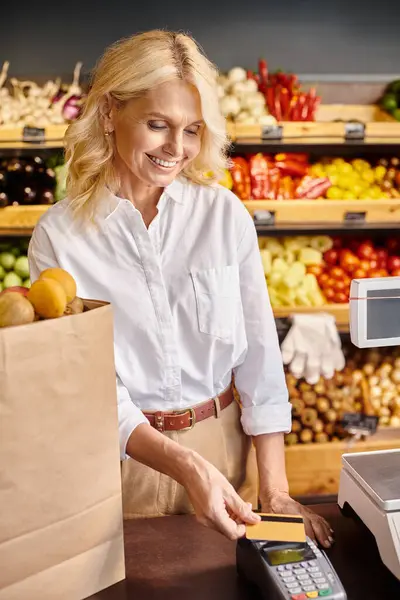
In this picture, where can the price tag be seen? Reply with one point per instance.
(358, 424)
(33, 134)
(354, 130)
(271, 132)
(264, 217)
(355, 217)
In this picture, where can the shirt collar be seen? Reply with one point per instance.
(175, 191)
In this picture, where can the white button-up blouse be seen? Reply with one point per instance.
(189, 298)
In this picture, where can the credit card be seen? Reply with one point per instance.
(277, 528)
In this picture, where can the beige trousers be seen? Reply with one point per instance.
(221, 441)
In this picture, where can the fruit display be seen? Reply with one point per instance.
(356, 259)
(239, 98)
(317, 270)
(292, 177)
(25, 103)
(51, 296)
(31, 180)
(283, 95)
(287, 266)
(390, 101)
(14, 267)
(359, 179)
(369, 384)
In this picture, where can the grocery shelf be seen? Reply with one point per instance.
(318, 146)
(339, 311)
(277, 217)
(24, 139)
(20, 220)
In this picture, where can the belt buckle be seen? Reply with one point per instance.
(192, 417)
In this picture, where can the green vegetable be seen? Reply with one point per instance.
(7, 260)
(11, 280)
(396, 114)
(27, 283)
(2, 273)
(389, 102)
(21, 267)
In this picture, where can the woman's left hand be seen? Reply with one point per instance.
(316, 527)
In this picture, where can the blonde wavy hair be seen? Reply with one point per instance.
(129, 69)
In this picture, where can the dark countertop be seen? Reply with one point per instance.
(174, 558)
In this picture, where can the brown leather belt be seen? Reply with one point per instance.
(186, 419)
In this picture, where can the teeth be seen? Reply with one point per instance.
(163, 163)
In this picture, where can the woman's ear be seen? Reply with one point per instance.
(106, 112)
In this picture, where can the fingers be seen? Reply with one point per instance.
(239, 508)
(322, 531)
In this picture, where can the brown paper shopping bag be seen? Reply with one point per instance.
(61, 535)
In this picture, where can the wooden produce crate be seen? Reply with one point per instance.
(314, 469)
(20, 218)
(339, 311)
(51, 136)
(333, 124)
(327, 211)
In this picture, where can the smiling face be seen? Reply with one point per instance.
(158, 135)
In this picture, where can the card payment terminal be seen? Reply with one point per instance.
(288, 571)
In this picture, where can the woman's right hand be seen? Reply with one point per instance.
(215, 501)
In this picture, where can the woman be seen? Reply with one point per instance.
(146, 228)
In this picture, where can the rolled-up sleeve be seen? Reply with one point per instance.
(260, 378)
(41, 256)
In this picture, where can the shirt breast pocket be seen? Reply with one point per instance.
(217, 294)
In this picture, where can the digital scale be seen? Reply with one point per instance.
(369, 481)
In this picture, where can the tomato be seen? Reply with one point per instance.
(337, 242)
(337, 273)
(339, 285)
(347, 280)
(365, 265)
(316, 270)
(373, 264)
(354, 245)
(323, 279)
(393, 245)
(359, 274)
(349, 261)
(329, 295)
(395, 273)
(382, 254)
(366, 250)
(331, 256)
(393, 263)
(340, 298)
(382, 264)
(378, 273)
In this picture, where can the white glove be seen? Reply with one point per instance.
(312, 347)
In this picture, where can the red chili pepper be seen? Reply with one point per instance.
(274, 181)
(263, 71)
(293, 84)
(285, 104)
(259, 169)
(292, 168)
(302, 108)
(312, 187)
(270, 100)
(294, 109)
(241, 177)
(278, 110)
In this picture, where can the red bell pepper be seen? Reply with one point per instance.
(285, 104)
(312, 187)
(292, 167)
(240, 177)
(259, 170)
